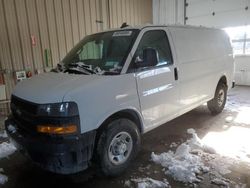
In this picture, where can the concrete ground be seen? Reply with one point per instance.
(22, 173)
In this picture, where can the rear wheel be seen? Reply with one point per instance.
(217, 104)
(118, 145)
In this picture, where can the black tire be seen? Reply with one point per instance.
(217, 104)
(109, 140)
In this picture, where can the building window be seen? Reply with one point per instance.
(240, 38)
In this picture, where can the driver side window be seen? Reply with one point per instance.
(156, 39)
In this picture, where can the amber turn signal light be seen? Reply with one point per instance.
(51, 129)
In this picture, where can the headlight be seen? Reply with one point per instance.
(58, 109)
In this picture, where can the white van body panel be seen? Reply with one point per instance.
(102, 98)
(97, 97)
(157, 90)
(47, 88)
(153, 94)
(201, 63)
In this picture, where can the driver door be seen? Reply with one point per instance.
(158, 85)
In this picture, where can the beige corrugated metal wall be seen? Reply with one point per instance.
(56, 26)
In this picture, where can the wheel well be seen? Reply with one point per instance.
(129, 114)
(223, 80)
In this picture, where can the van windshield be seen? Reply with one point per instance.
(102, 53)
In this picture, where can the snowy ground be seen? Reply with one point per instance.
(212, 156)
(194, 150)
(187, 164)
(3, 134)
(147, 183)
(6, 149)
(192, 159)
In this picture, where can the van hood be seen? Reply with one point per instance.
(50, 87)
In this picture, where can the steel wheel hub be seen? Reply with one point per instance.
(221, 97)
(120, 148)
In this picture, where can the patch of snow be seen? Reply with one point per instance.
(191, 131)
(196, 143)
(229, 119)
(241, 186)
(155, 171)
(225, 127)
(151, 183)
(220, 182)
(3, 134)
(173, 145)
(127, 183)
(11, 128)
(3, 178)
(181, 165)
(192, 159)
(6, 149)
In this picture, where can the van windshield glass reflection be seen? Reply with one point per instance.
(101, 53)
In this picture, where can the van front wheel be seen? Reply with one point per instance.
(117, 146)
(217, 104)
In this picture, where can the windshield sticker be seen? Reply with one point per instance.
(122, 33)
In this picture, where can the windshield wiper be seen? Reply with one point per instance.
(76, 71)
(81, 67)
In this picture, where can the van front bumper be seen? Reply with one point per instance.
(64, 155)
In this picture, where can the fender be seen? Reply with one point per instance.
(130, 108)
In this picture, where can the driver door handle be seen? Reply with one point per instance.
(175, 73)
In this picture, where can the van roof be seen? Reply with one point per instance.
(140, 27)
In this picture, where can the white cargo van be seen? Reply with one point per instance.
(114, 86)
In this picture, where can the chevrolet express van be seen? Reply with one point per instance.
(114, 86)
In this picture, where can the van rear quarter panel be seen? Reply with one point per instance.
(204, 56)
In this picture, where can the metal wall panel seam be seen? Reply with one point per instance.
(70, 15)
(29, 33)
(8, 34)
(119, 13)
(52, 32)
(49, 38)
(78, 21)
(85, 25)
(57, 34)
(8, 60)
(110, 14)
(33, 29)
(39, 33)
(19, 35)
(93, 16)
(87, 17)
(74, 22)
(64, 26)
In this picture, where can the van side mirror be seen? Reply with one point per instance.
(150, 58)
